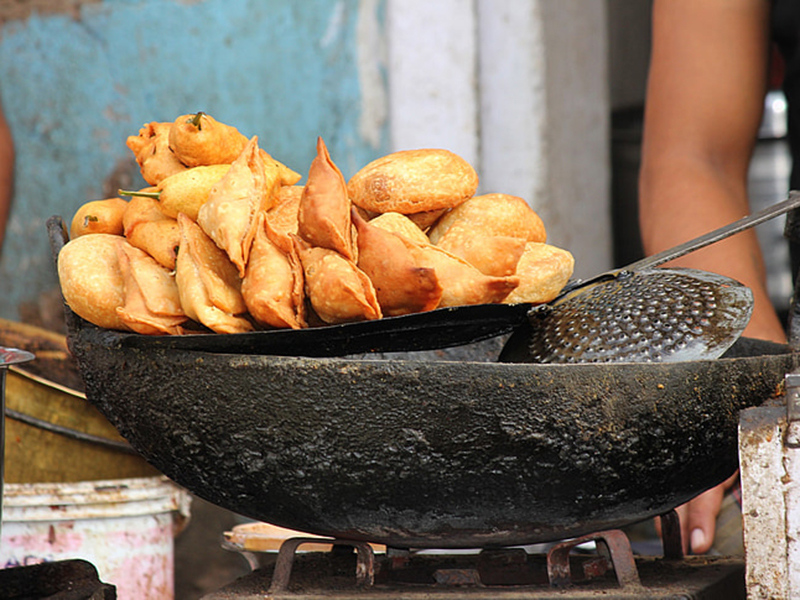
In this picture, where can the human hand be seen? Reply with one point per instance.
(698, 518)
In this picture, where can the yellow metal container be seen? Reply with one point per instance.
(53, 434)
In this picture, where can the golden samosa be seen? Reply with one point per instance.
(402, 286)
(146, 227)
(283, 216)
(229, 215)
(461, 282)
(152, 303)
(338, 290)
(208, 282)
(401, 225)
(272, 287)
(323, 218)
(495, 255)
(151, 149)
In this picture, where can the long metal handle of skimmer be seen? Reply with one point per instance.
(793, 201)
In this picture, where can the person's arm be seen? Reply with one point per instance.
(6, 174)
(703, 107)
(704, 104)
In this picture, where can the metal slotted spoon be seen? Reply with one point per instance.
(640, 313)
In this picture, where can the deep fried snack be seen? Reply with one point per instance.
(424, 220)
(152, 304)
(208, 282)
(543, 271)
(272, 287)
(185, 192)
(461, 282)
(151, 149)
(491, 214)
(229, 215)
(401, 225)
(338, 290)
(323, 218)
(283, 216)
(98, 216)
(199, 139)
(146, 227)
(90, 278)
(413, 181)
(495, 255)
(402, 286)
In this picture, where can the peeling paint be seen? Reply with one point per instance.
(23, 9)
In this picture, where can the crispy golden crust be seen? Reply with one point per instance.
(208, 282)
(229, 215)
(491, 214)
(323, 218)
(461, 282)
(413, 181)
(402, 285)
(153, 155)
(273, 284)
(90, 278)
(99, 216)
(401, 225)
(146, 227)
(543, 271)
(152, 303)
(338, 290)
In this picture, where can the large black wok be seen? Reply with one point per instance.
(429, 453)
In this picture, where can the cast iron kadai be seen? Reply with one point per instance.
(429, 454)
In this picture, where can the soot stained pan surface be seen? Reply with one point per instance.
(425, 453)
(429, 453)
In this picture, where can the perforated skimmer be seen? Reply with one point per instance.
(642, 313)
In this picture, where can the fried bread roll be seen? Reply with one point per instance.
(402, 286)
(413, 181)
(99, 216)
(338, 290)
(229, 215)
(490, 214)
(273, 284)
(151, 149)
(461, 282)
(208, 282)
(152, 304)
(543, 271)
(323, 218)
(90, 278)
(146, 227)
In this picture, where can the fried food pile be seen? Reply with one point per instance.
(225, 239)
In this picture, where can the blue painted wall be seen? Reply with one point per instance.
(73, 88)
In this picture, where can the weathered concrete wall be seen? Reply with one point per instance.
(79, 77)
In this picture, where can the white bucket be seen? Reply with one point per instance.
(125, 527)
